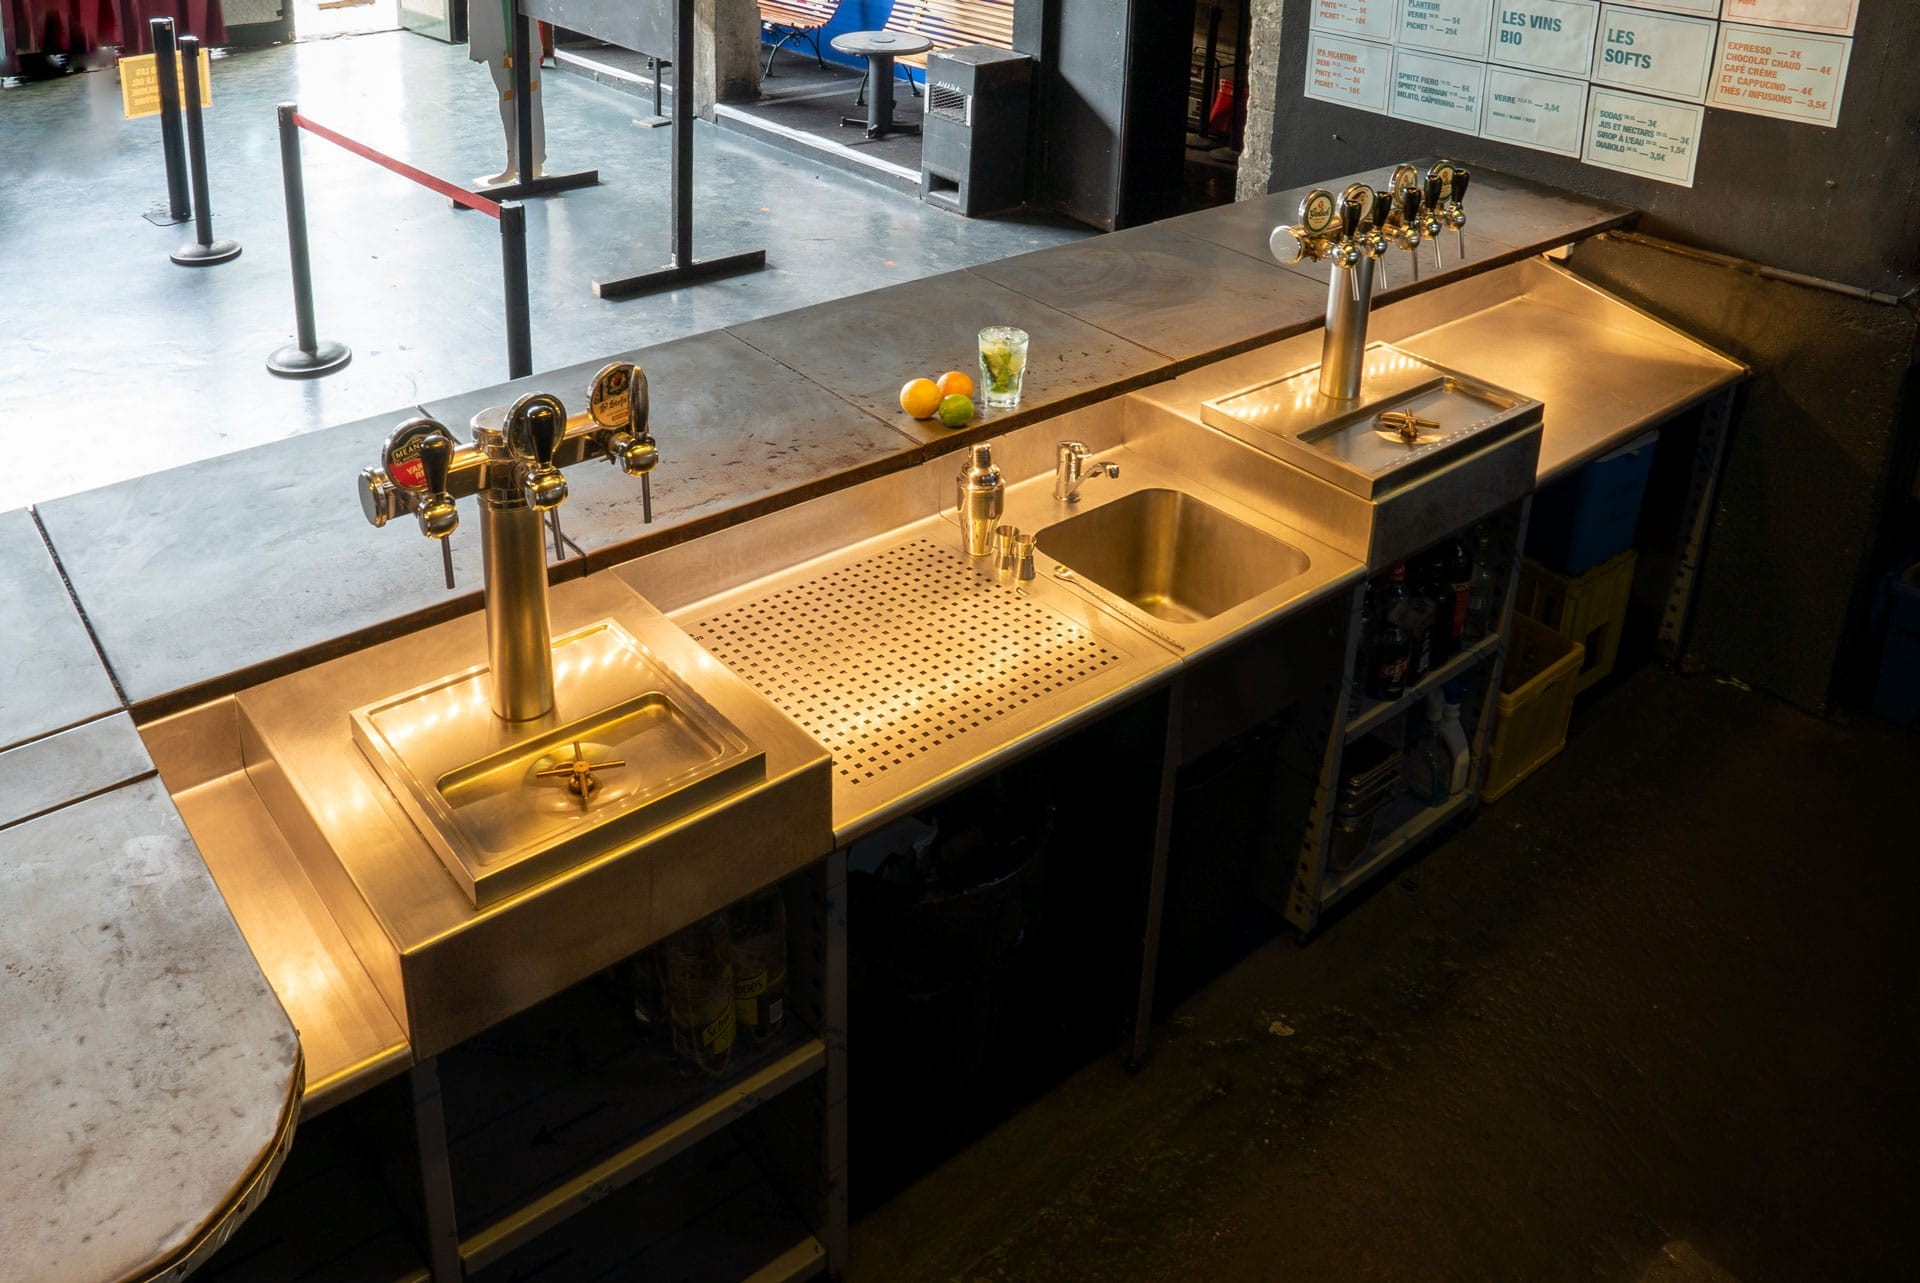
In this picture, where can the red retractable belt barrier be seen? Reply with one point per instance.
(458, 195)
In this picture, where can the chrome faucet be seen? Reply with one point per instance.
(515, 470)
(1072, 466)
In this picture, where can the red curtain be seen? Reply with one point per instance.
(82, 26)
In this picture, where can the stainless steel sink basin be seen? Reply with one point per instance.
(1171, 555)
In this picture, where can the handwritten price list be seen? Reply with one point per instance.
(1780, 73)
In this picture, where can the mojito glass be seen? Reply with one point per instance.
(1003, 365)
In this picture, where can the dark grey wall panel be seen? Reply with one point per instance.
(1081, 101)
(1843, 203)
(1809, 471)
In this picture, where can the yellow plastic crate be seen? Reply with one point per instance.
(1590, 609)
(1533, 706)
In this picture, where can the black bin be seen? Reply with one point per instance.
(974, 139)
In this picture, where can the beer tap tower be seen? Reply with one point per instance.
(1354, 233)
(515, 470)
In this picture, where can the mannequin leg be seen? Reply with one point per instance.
(503, 89)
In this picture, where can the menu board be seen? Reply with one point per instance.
(1834, 17)
(1635, 134)
(1534, 110)
(1368, 19)
(1353, 73)
(1457, 27)
(1437, 90)
(1533, 73)
(1547, 35)
(1789, 74)
(1654, 52)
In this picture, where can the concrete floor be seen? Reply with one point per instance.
(1650, 1018)
(166, 363)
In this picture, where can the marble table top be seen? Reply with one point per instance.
(162, 1075)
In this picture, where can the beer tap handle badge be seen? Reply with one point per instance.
(607, 403)
(402, 457)
(1317, 212)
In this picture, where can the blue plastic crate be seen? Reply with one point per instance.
(1589, 517)
(1896, 696)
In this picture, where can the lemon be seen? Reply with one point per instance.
(920, 398)
(956, 410)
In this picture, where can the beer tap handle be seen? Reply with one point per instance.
(643, 454)
(439, 515)
(535, 427)
(1457, 212)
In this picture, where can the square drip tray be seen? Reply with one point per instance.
(626, 750)
(1345, 442)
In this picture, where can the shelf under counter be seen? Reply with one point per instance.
(1407, 821)
(575, 1064)
(1380, 712)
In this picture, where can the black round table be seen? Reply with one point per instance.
(880, 48)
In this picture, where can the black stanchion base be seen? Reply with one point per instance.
(662, 278)
(295, 362)
(161, 216)
(541, 186)
(194, 254)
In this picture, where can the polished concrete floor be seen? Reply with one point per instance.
(117, 362)
(1649, 1019)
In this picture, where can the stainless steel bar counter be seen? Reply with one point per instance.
(203, 584)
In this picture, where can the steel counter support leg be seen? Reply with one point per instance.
(436, 1174)
(1135, 1052)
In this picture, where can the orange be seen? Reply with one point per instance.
(955, 383)
(920, 398)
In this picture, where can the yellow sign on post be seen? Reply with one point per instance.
(140, 84)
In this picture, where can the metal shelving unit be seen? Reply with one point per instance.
(1315, 886)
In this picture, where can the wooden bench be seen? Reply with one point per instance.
(949, 24)
(953, 23)
(790, 20)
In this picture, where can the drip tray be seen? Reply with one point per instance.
(626, 750)
(1350, 443)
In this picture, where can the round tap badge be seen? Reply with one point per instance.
(1360, 195)
(1317, 211)
(401, 456)
(1442, 172)
(607, 402)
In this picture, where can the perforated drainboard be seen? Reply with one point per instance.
(892, 657)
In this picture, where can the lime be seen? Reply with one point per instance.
(956, 411)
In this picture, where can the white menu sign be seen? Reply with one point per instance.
(1439, 91)
(1699, 8)
(1835, 17)
(1446, 26)
(1546, 35)
(1372, 19)
(1654, 52)
(1543, 112)
(1352, 73)
(1651, 137)
(1789, 74)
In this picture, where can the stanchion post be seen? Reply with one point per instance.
(171, 146)
(202, 250)
(306, 357)
(513, 270)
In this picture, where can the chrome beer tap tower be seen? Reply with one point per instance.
(515, 471)
(1354, 233)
